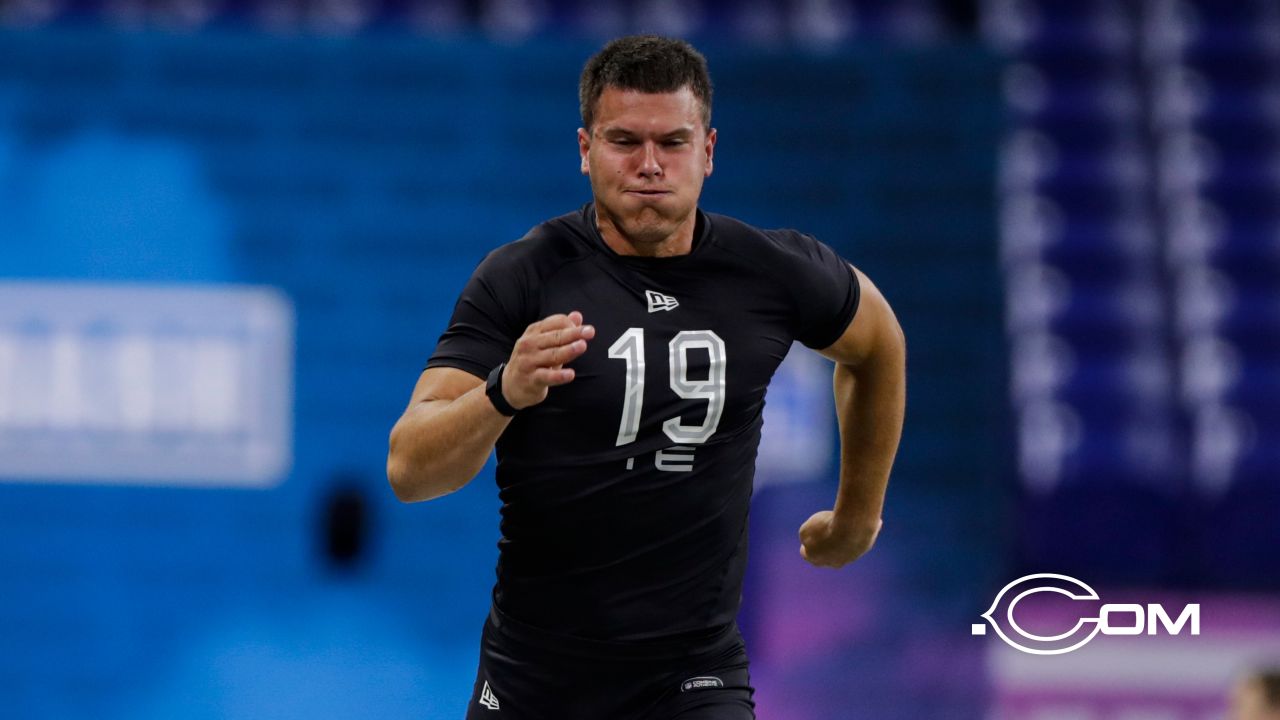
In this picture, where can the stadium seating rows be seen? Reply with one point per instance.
(1140, 187)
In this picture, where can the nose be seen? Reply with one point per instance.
(649, 166)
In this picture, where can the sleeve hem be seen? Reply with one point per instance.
(847, 320)
(465, 365)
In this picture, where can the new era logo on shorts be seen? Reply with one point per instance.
(701, 683)
(487, 698)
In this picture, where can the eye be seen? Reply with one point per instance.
(673, 143)
(624, 142)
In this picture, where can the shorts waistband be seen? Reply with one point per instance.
(682, 645)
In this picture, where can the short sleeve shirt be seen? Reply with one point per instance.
(625, 493)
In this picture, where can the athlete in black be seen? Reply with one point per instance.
(618, 357)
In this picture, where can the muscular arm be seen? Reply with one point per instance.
(870, 392)
(444, 436)
(450, 427)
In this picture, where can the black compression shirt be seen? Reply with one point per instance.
(625, 493)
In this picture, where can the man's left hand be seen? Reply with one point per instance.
(827, 541)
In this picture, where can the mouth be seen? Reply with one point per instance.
(648, 193)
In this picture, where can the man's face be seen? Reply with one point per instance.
(647, 155)
(1249, 703)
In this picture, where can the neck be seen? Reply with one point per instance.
(678, 242)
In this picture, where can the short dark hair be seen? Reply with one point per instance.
(646, 63)
(1269, 681)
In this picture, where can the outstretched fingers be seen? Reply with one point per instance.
(558, 335)
(558, 355)
(537, 361)
(552, 377)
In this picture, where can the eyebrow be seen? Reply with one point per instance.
(683, 133)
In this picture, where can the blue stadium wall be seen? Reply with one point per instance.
(365, 178)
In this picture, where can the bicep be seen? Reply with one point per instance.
(442, 384)
(435, 389)
(874, 327)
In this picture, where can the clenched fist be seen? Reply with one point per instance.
(826, 541)
(538, 359)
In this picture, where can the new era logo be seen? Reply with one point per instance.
(658, 301)
(487, 698)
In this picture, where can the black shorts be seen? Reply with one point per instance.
(529, 674)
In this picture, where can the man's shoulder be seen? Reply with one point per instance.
(547, 244)
(759, 243)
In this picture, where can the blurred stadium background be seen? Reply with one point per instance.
(230, 233)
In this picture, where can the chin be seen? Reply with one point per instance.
(649, 231)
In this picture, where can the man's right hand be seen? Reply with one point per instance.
(538, 359)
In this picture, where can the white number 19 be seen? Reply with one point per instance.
(630, 348)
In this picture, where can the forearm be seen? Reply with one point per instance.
(438, 446)
(870, 392)
(870, 403)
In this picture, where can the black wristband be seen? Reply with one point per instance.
(493, 388)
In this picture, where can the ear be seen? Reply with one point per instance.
(584, 146)
(711, 151)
